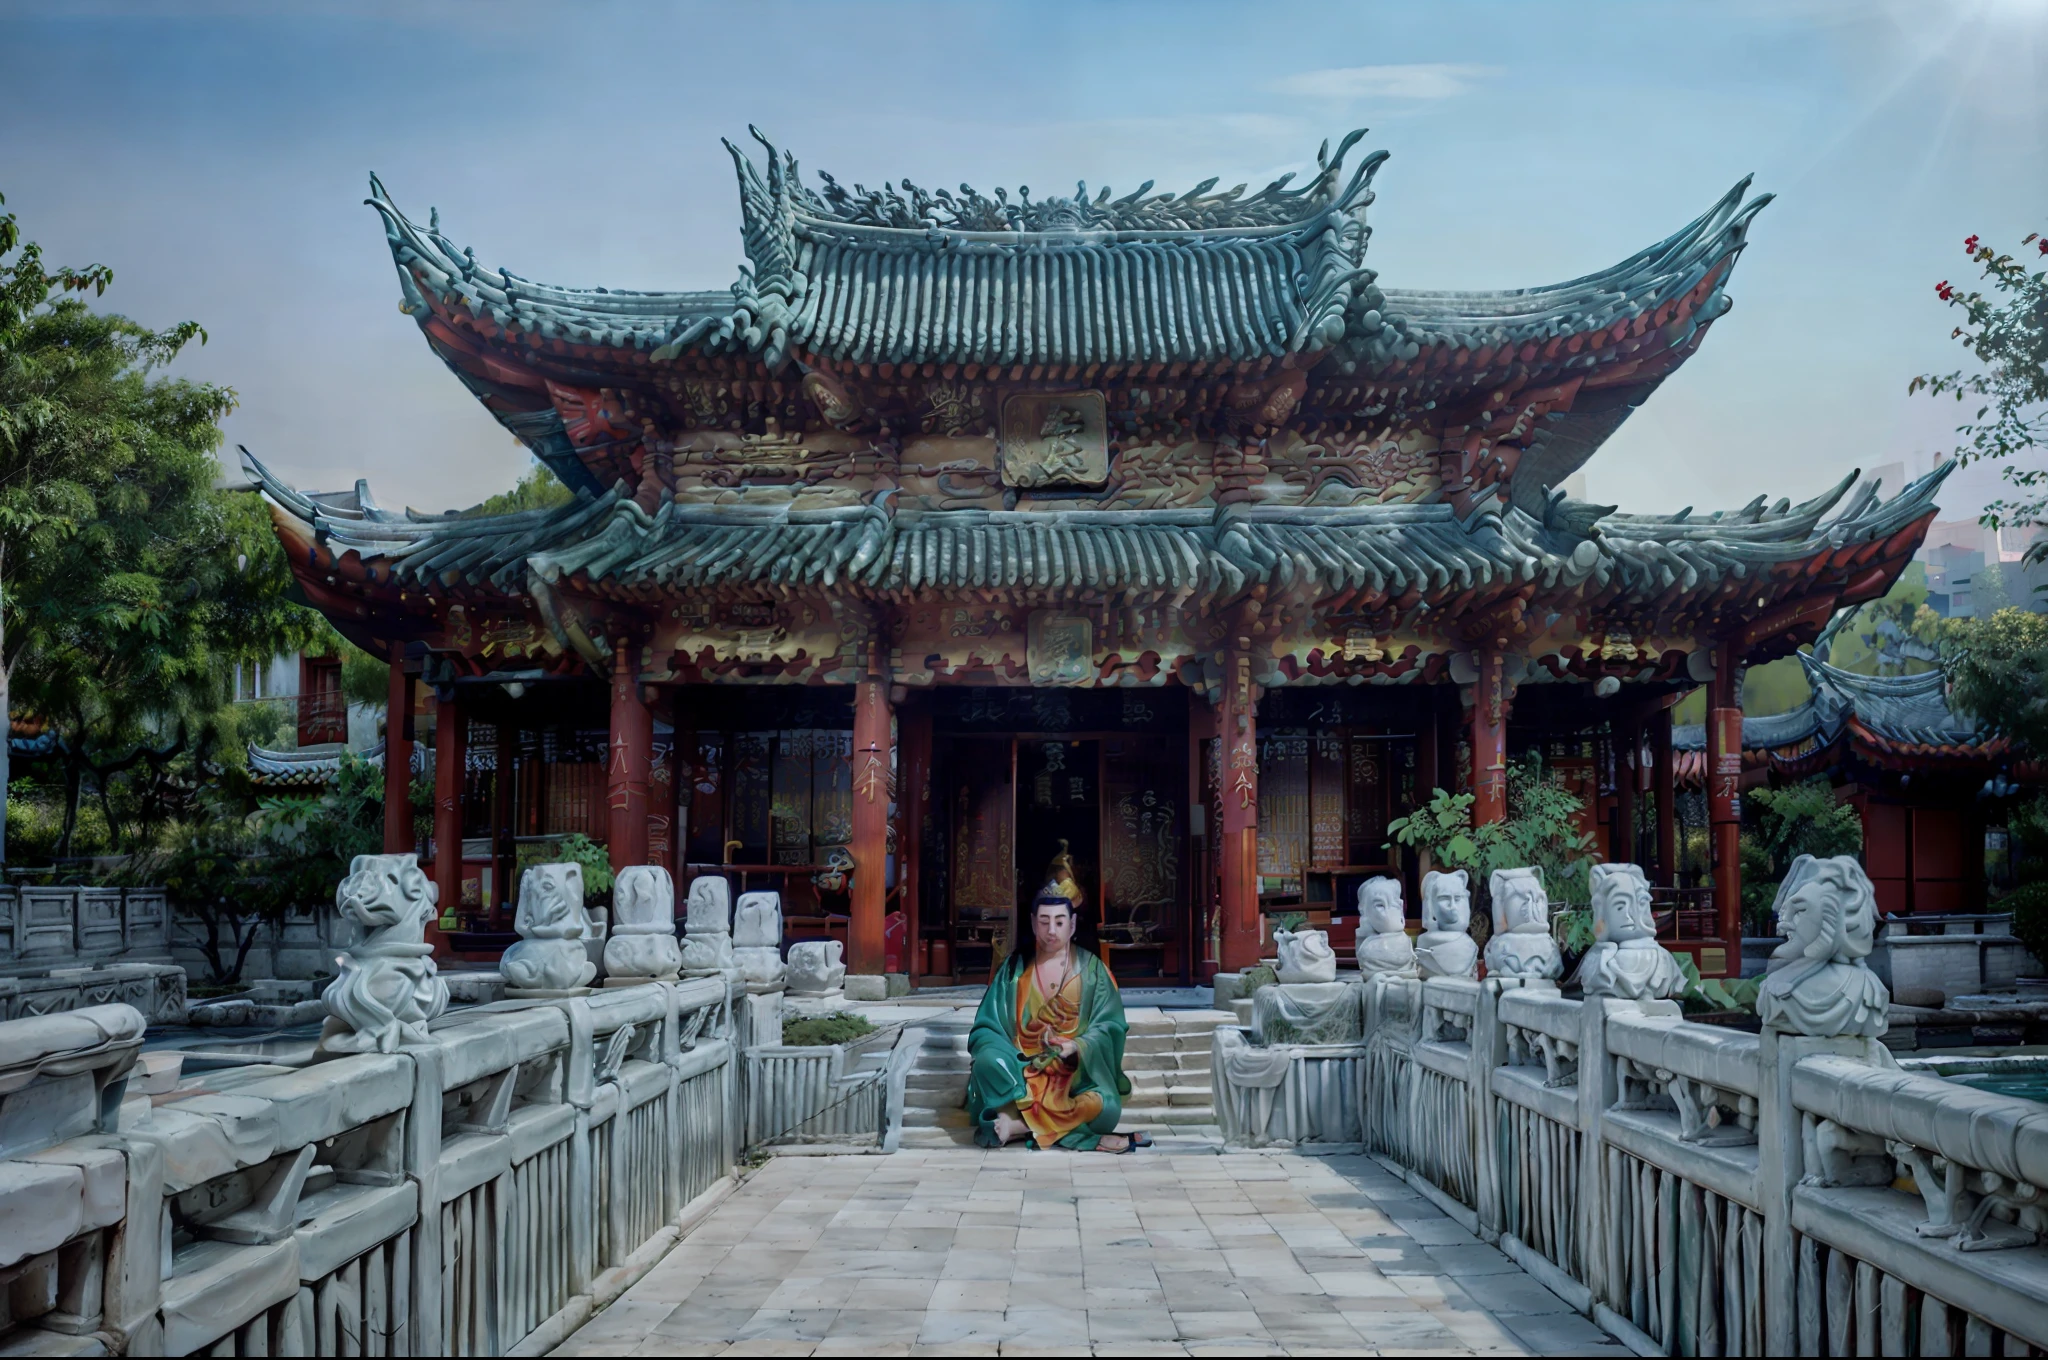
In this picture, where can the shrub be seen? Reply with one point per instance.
(823, 1031)
(1799, 819)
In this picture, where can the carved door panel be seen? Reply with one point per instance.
(1144, 849)
(984, 870)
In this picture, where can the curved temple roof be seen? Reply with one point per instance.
(1410, 557)
(1882, 719)
(902, 275)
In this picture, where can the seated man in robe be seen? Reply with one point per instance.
(1048, 1044)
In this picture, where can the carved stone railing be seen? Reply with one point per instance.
(1306, 1096)
(1701, 1190)
(478, 1194)
(832, 1095)
(64, 948)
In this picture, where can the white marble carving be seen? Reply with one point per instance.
(1446, 948)
(816, 968)
(1626, 961)
(550, 956)
(757, 937)
(1384, 949)
(1307, 1013)
(707, 920)
(643, 936)
(1818, 983)
(1521, 946)
(387, 988)
(1305, 956)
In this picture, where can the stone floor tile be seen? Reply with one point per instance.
(860, 1346)
(986, 1239)
(1210, 1325)
(693, 1323)
(1138, 1348)
(788, 1324)
(1362, 1284)
(811, 1291)
(1046, 1323)
(906, 1295)
(768, 1346)
(1130, 1322)
(962, 1264)
(957, 1348)
(1391, 1331)
(1462, 1262)
(880, 1324)
(970, 1296)
(1561, 1334)
(1517, 1293)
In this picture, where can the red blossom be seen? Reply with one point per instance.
(1943, 291)
(2043, 247)
(1970, 244)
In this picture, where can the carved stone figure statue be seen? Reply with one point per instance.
(1384, 949)
(816, 967)
(643, 943)
(387, 988)
(1305, 956)
(707, 918)
(1626, 961)
(757, 937)
(1818, 983)
(549, 956)
(1521, 946)
(1446, 948)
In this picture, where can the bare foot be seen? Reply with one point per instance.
(1009, 1128)
(1114, 1142)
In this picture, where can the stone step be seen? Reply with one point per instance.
(1174, 1117)
(1185, 1022)
(953, 1098)
(1194, 1060)
(918, 1117)
(945, 1041)
(941, 1062)
(925, 1079)
(936, 1138)
(1150, 1043)
(1135, 1063)
(1191, 1095)
(1148, 1082)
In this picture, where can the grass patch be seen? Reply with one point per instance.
(822, 1031)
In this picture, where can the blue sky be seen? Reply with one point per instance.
(216, 156)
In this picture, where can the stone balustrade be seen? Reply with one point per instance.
(840, 1095)
(1699, 1190)
(480, 1193)
(62, 948)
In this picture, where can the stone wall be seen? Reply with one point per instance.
(474, 1195)
(1699, 1190)
(62, 948)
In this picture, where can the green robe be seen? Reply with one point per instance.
(997, 1076)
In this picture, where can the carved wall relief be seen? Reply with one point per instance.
(1060, 649)
(1055, 439)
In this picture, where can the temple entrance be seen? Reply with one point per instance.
(1004, 804)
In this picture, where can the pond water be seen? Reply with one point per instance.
(2028, 1084)
(2023, 1074)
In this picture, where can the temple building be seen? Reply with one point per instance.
(965, 531)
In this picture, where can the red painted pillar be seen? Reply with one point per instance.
(1628, 774)
(1489, 741)
(398, 833)
(1238, 839)
(874, 763)
(627, 771)
(914, 802)
(451, 758)
(1667, 795)
(1724, 802)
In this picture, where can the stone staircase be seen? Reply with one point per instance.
(1166, 1057)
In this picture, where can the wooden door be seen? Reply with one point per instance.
(984, 868)
(1144, 851)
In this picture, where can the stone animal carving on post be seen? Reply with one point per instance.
(550, 956)
(643, 941)
(1384, 949)
(1521, 946)
(757, 938)
(707, 945)
(1446, 949)
(816, 967)
(1305, 956)
(387, 989)
(1626, 961)
(1818, 983)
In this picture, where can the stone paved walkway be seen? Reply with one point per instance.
(966, 1252)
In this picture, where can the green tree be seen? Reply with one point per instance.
(1542, 829)
(131, 587)
(539, 489)
(2006, 330)
(1783, 824)
(1998, 674)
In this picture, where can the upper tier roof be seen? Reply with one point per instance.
(900, 275)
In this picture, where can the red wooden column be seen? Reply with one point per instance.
(626, 773)
(1238, 838)
(874, 760)
(1489, 741)
(1628, 774)
(451, 758)
(913, 812)
(1724, 803)
(1667, 794)
(398, 836)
